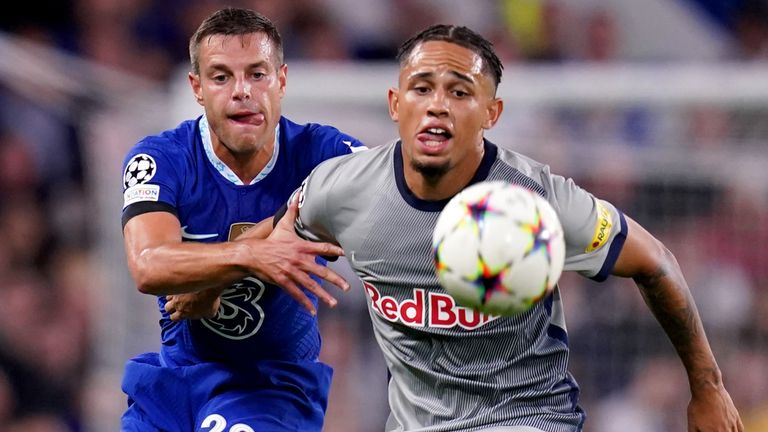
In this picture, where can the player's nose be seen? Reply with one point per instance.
(241, 89)
(438, 103)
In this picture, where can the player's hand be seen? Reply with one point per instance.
(202, 304)
(287, 260)
(712, 410)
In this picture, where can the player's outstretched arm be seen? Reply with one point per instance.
(205, 303)
(661, 282)
(161, 264)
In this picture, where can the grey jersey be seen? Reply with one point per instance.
(455, 369)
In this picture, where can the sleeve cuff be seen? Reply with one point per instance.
(142, 207)
(613, 252)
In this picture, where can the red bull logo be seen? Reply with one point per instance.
(433, 310)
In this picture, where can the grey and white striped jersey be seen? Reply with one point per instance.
(452, 368)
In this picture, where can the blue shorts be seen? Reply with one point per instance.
(269, 396)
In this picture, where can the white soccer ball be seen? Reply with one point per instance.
(498, 248)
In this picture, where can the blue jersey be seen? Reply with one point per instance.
(178, 172)
(254, 366)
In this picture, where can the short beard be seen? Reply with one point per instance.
(431, 172)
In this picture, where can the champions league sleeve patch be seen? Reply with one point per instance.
(140, 169)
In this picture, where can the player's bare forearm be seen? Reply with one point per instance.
(661, 282)
(205, 303)
(187, 268)
(657, 274)
(668, 297)
(202, 304)
(161, 264)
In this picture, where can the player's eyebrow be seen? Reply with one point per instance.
(259, 64)
(463, 77)
(421, 75)
(428, 75)
(224, 67)
(219, 67)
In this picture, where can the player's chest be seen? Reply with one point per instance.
(219, 213)
(393, 248)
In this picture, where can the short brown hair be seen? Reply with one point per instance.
(231, 22)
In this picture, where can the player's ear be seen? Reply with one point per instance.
(494, 109)
(282, 78)
(194, 81)
(393, 98)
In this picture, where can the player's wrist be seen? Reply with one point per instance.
(705, 380)
(241, 256)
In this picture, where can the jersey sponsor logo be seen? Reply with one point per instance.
(140, 193)
(189, 236)
(240, 316)
(239, 228)
(602, 228)
(437, 310)
(139, 170)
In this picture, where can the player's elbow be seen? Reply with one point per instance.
(145, 284)
(659, 262)
(147, 287)
(145, 277)
(662, 257)
(643, 255)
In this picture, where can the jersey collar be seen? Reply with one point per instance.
(222, 168)
(489, 157)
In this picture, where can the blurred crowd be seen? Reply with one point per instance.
(44, 266)
(630, 374)
(620, 356)
(150, 37)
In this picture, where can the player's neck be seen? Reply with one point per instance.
(246, 165)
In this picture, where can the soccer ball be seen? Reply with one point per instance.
(498, 248)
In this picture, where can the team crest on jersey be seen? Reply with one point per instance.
(239, 228)
(140, 169)
(240, 315)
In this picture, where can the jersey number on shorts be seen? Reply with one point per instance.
(240, 315)
(217, 423)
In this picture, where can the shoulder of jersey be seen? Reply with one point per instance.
(169, 147)
(521, 162)
(326, 134)
(358, 163)
(173, 143)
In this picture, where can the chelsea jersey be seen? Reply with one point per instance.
(178, 172)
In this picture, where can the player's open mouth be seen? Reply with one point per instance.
(434, 136)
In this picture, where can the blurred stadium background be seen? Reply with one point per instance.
(659, 106)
